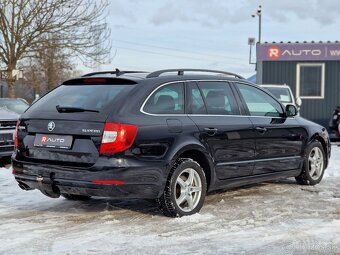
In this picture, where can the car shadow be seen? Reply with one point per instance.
(101, 204)
(250, 186)
(127, 207)
(107, 204)
(5, 161)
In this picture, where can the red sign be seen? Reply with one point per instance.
(298, 51)
(273, 52)
(43, 139)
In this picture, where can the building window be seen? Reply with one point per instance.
(310, 80)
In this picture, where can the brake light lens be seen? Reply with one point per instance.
(94, 80)
(117, 137)
(16, 142)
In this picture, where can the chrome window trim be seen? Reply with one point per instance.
(261, 89)
(171, 82)
(200, 115)
(153, 91)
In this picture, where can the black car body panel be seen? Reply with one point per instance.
(233, 149)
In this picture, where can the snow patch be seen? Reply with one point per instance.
(270, 218)
(333, 169)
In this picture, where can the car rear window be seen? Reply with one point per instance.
(90, 97)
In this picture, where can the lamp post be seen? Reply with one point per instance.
(259, 14)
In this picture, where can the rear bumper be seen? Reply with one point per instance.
(136, 179)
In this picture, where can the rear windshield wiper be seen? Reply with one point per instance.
(73, 109)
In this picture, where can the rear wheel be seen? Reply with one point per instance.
(185, 189)
(75, 197)
(314, 165)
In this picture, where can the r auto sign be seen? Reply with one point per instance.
(298, 52)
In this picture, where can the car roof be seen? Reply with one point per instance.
(166, 75)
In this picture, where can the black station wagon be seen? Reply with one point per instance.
(171, 135)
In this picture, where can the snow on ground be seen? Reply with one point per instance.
(268, 218)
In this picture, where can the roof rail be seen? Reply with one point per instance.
(117, 72)
(181, 72)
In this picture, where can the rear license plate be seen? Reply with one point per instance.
(53, 141)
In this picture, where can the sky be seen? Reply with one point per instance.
(211, 34)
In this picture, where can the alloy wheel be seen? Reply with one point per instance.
(188, 189)
(316, 163)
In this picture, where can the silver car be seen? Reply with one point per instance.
(283, 93)
(8, 120)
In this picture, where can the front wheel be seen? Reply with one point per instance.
(314, 165)
(185, 189)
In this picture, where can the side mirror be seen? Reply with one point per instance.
(291, 110)
(298, 102)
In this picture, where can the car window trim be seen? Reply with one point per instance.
(188, 87)
(256, 87)
(245, 114)
(185, 83)
(157, 88)
(232, 95)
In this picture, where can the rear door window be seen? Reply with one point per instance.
(197, 102)
(219, 98)
(168, 99)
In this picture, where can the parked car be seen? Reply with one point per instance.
(283, 93)
(334, 124)
(171, 135)
(18, 105)
(8, 120)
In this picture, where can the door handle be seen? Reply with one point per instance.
(261, 130)
(211, 131)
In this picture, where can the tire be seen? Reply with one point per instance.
(313, 166)
(75, 197)
(181, 195)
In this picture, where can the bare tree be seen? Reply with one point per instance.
(28, 26)
(45, 72)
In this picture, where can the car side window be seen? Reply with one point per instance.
(197, 103)
(219, 98)
(168, 99)
(258, 102)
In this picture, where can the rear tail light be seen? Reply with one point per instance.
(16, 142)
(117, 137)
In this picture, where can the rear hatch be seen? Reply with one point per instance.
(65, 127)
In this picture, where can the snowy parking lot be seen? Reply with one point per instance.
(268, 218)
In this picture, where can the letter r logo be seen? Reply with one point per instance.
(274, 52)
(43, 139)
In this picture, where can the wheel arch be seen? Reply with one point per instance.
(199, 154)
(319, 138)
